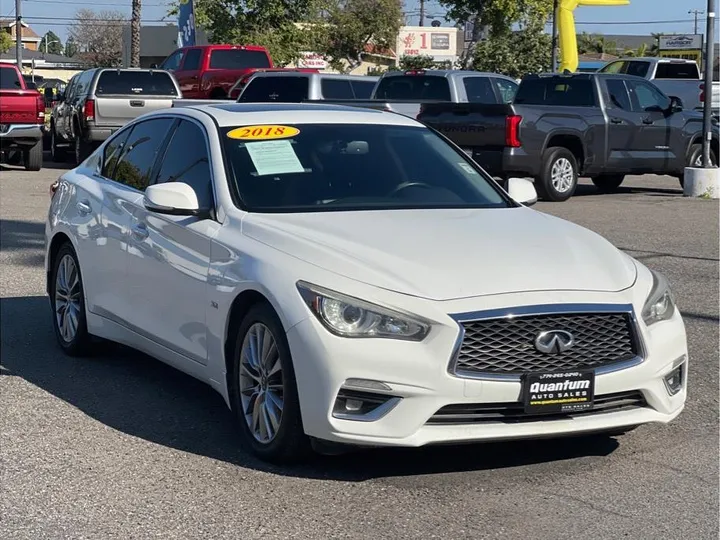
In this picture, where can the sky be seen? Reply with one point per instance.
(56, 15)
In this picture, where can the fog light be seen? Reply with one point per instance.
(366, 384)
(362, 406)
(675, 379)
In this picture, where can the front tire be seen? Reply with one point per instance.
(33, 157)
(559, 175)
(263, 390)
(67, 298)
(608, 183)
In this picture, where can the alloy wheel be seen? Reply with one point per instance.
(261, 383)
(67, 298)
(562, 175)
(698, 161)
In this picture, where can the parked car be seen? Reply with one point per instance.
(296, 87)
(98, 102)
(22, 116)
(602, 126)
(238, 87)
(210, 71)
(674, 77)
(269, 251)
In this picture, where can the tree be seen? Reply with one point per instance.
(514, 53)
(498, 15)
(270, 23)
(135, 33)
(593, 43)
(6, 42)
(423, 61)
(98, 36)
(71, 48)
(51, 43)
(355, 24)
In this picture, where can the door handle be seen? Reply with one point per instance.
(83, 208)
(616, 121)
(647, 121)
(140, 231)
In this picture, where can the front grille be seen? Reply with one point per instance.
(507, 345)
(514, 412)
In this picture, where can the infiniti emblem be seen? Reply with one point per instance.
(554, 341)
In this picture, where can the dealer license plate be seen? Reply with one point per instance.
(563, 393)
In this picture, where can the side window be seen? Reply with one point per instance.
(618, 97)
(646, 98)
(70, 90)
(141, 150)
(186, 160)
(336, 89)
(172, 62)
(639, 69)
(479, 90)
(506, 89)
(192, 60)
(83, 83)
(276, 89)
(112, 151)
(615, 67)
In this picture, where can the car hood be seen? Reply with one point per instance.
(449, 254)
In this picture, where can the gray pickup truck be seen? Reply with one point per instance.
(562, 126)
(98, 102)
(406, 92)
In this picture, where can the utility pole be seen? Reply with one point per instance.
(707, 108)
(422, 13)
(553, 62)
(18, 35)
(135, 34)
(696, 12)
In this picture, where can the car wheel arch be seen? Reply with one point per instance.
(57, 241)
(573, 142)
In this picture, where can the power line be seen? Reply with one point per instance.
(65, 2)
(616, 23)
(40, 20)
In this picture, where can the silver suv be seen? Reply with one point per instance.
(98, 102)
(295, 87)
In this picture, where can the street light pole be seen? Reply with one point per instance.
(553, 61)
(18, 35)
(696, 12)
(707, 108)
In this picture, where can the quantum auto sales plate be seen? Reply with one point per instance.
(558, 393)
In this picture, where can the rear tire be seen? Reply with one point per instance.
(257, 385)
(82, 149)
(33, 157)
(695, 160)
(608, 183)
(67, 299)
(559, 176)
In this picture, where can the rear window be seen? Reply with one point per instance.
(140, 83)
(668, 70)
(276, 89)
(411, 87)
(556, 91)
(336, 89)
(9, 79)
(363, 89)
(238, 59)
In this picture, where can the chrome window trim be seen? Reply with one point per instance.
(537, 310)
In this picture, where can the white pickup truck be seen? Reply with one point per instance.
(675, 77)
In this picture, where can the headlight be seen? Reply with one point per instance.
(350, 317)
(660, 304)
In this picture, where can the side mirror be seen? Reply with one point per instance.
(522, 191)
(676, 104)
(172, 198)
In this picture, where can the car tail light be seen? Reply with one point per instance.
(702, 93)
(40, 108)
(89, 110)
(512, 131)
(415, 72)
(53, 188)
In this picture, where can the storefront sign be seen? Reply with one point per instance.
(430, 41)
(687, 47)
(312, 60)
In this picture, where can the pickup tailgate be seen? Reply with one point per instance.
(18, 107)
(121, 96)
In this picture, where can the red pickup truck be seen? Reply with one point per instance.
(209, 71)
(22, 117)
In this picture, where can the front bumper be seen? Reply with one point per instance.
(417, 373)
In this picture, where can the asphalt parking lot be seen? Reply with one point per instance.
(121, 446)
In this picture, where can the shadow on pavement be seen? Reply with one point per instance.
(584, 190)
(140, 396)
(48, 164)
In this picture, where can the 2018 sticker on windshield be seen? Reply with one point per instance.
(262, 133)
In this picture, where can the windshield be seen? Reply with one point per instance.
(409, 87)
(331, 167)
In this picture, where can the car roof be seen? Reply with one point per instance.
(234, 114)
(310, 74)
(446, 73)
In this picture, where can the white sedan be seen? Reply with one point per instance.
(347, 276)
